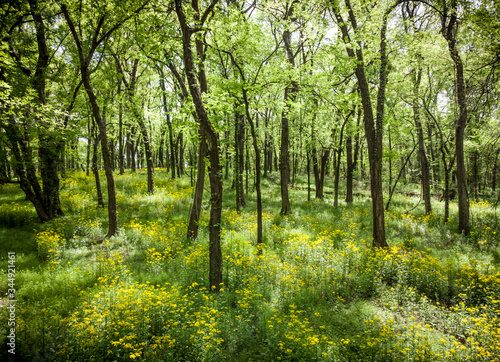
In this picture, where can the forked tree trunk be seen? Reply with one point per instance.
(85, 74)
(216, 185)
(373, 127)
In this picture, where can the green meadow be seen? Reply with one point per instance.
(318, 292)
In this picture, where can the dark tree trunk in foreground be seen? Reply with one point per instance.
(45, 197)
(373, 126)
(290, 95)
(215, 253)
(449, 32)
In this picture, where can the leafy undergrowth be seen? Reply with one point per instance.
(318, 291)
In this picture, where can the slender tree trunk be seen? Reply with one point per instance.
(120, 132)
(192, 232)
(89, 145)
(290, 95)
(95, 169)
(495, 170)
(308, 176)
(475, 174)
(161, 156)
(239, 138)
(247, 167)
(128, 147)
(266, 145)
(180, 168)
(133, 153)
(424, 163)
(316, 169)
(339, 155)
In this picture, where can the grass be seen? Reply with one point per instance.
(318, 292)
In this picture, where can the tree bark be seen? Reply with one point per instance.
(448, 31)
(291, 91)
(424, 163)
(352, 161)
(373, 127)
(85, 74)
(239, 144)
(216, 186)
(49, 146)
(339, 155)
(95, 169)
(192, 232)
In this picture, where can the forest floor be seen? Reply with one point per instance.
(318, 291)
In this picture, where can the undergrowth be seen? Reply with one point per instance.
(317, 292)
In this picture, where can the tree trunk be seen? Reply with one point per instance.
(424, 163)
(373, 127)
(120, 132)
(24, 169)
(89, 145)
(180, 166)
(239, 144)
(192, 232)
(495, 170)
(449, 32)
(95, 169)
(85, 74)
(339, 155)
(349, 170)
(49, 145)
(216, 185)
(290, 95)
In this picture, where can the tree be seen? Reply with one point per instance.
(449, 24)
(101, 31)
(373, 126)
(26, 112)
(215, 169)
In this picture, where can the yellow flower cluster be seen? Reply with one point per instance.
(133, 320)
(50, 245)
